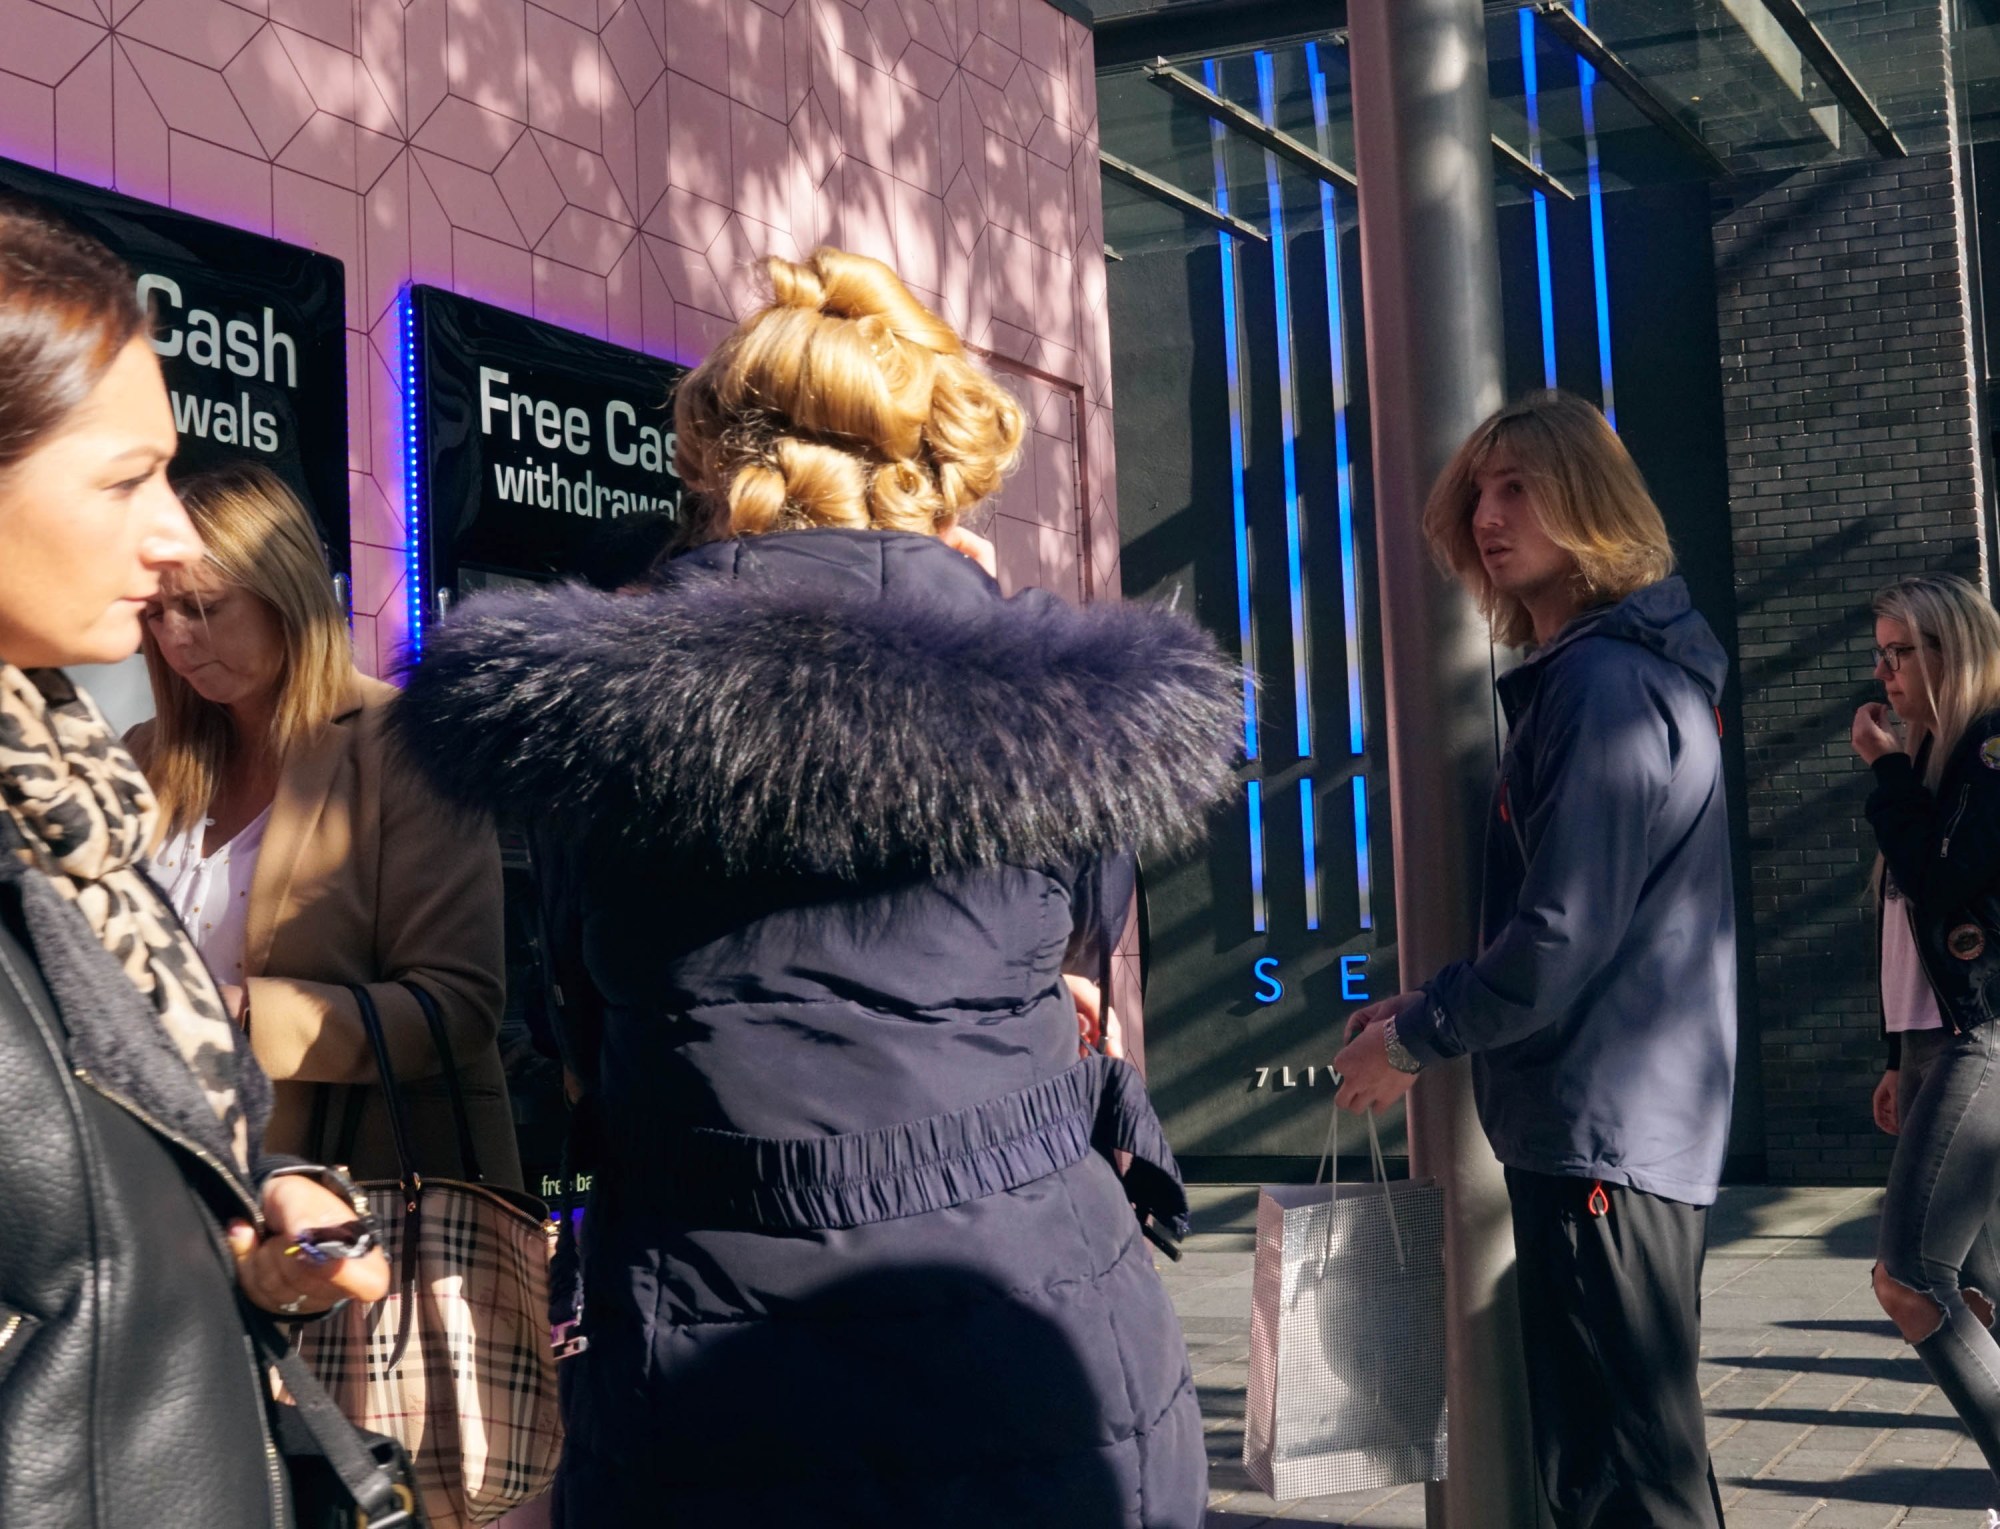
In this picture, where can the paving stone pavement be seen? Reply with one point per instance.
(1818, 1414)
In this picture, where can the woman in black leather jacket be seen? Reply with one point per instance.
(1935, 810)
(140, 1207)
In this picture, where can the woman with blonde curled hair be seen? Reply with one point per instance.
(1935, 810)
(302, 860)
(844, 403)
(833, 812)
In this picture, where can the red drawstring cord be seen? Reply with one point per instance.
(1599, 1202)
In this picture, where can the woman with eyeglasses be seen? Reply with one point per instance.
(1935, 810)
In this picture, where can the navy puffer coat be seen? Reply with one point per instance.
(856, 1253)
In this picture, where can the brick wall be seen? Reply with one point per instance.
(1842, 296)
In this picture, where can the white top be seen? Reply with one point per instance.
(212, 894)
(1907, 1000)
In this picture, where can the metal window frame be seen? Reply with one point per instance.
(1242, 120)
(1166, 191)
(1621, 77)
(1838, 78)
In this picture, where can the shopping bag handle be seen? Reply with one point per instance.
(1331, 1153)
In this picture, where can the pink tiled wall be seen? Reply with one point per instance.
(616, 166)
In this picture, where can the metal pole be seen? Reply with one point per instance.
(1431, 280)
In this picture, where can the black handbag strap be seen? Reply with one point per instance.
(353, 1105)
(399, 1114)
(367, 1480)
(407, 1175)
(316, 1124)
(468, 1155)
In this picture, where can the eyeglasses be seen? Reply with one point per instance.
(1891, 657)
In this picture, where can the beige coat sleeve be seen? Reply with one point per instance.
(438, 921)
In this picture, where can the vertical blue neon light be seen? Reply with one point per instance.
(1361, 875)
(1230, 347)
(1350, 601)
(1256, 794)
(1311, 834)
(1230, 344)
(1586, 78)
(413, 499)
(1530, 74)
(1267, 108)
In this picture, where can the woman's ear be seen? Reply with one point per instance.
(976, 547)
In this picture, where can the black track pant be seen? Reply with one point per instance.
(1611, 1325)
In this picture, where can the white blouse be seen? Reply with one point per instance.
(212, 893)
(1907, 1000)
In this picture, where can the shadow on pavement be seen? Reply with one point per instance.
(1820, 1417)
(1878, 1327)
(1889, 1367)
(1900, 1486)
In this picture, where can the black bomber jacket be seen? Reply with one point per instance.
(1943, 851)
(129, 1391)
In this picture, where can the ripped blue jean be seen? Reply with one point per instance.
(1943, 1185)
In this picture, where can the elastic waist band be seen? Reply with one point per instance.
(723, 1178)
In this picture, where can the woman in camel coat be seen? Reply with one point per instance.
(303, 859)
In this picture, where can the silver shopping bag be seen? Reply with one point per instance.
(1347, 1336)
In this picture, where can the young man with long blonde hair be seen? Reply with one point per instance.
(1600, 1012)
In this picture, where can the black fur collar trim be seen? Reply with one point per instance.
(808, 727)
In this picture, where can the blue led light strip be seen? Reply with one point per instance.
(413, 498)
(1337, 347)
(1363, 881)
(1530, 72)
(1256, 797)
(1267, 108)
(1311, 833)
(1230, 343)
(1586, 79)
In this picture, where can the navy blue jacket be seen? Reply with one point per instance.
(1601, 1010)
(856, 1252)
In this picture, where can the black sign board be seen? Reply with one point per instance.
(532, 442)
(250, 331)
(534, 438)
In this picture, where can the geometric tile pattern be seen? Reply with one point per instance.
(616, 166)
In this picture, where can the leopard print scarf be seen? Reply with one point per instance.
(86, 815)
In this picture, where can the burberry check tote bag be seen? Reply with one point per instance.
(455, 1363)
(1346, 1335)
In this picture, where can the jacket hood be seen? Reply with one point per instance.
(1662, 619)
(829, 703)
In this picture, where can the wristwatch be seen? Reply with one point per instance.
(329, 1176)
(1400, 1056)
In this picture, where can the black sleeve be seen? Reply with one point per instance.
(1101, 898)
(571, 1007)
(1605, 756)
(1941, 852)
